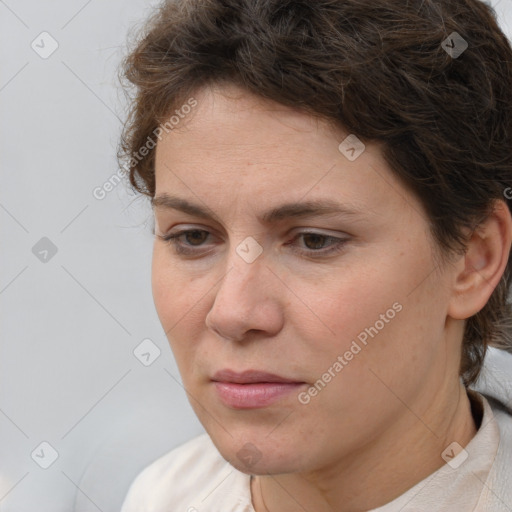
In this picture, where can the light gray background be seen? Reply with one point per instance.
(70, 325)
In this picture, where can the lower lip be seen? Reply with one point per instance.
(252, 396)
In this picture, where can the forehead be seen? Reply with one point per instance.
(237, 145)
(233, 119)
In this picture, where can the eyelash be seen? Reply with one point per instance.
(336, 247)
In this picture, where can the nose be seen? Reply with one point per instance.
(249, 298)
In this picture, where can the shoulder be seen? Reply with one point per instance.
(495, 384)
(503, 416)
(185, 478)
(497, 492)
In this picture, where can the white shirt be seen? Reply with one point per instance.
(195, 478)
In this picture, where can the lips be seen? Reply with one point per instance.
(249, 377)
(252, 389)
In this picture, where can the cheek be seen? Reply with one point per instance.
(181, 299)
(357, 377)
(371, 317)
(163, 281)
(347, 304)
(174, 293)
(176, 301)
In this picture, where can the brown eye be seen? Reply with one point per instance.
(183, 242)
(196, 236)
(314, 241)
(317, 244)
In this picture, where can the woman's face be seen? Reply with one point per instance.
(348, 306)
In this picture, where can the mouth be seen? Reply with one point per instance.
(252, 389)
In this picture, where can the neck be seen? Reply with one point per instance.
(400, 458)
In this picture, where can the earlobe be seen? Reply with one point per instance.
(483, 264)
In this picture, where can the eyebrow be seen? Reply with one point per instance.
(316, 208)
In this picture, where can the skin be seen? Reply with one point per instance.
(380, 425)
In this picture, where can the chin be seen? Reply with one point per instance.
(257, 453)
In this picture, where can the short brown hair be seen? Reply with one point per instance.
(383, 70)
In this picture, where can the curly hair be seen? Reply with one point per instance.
(385, 70)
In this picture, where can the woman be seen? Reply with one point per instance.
(332, 250)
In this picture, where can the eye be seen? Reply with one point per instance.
(184, 241)
(195, 236)
(315, 244)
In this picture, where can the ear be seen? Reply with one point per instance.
(480, 269)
